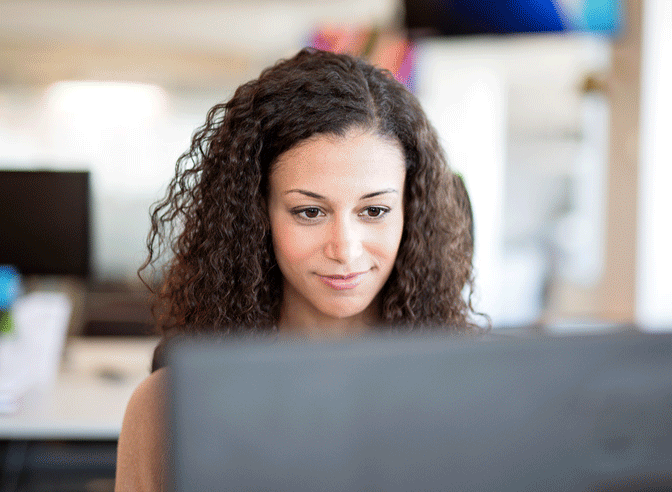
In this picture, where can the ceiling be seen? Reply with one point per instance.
(172, 42)
(215, 45)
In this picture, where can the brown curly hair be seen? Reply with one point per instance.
(223, 275)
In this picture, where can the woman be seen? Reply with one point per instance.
(316, 202)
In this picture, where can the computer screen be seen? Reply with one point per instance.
(424, 413)
(45, 222)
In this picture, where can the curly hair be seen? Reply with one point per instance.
(223, 275)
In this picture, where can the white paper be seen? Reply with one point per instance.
(31, 355)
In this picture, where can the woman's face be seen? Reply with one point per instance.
(337, 214)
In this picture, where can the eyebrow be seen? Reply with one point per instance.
(363, 197)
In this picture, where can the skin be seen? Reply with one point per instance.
(336, 210)
(336, 207)
(142, 450)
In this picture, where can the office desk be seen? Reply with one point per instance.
(87, 402)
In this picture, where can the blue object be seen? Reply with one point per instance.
(602, 16)
(10, 286)
(470, 17)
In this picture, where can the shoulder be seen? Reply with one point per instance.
(143, 441)
(148, 400)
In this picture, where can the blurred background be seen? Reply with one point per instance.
(556, 113)
(558, 134)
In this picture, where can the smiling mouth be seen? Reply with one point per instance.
(343, 282)
(343, 277)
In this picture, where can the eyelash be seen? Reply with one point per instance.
(383, 211)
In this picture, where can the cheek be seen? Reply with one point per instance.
(290, 245)
(385, 243)
(393, 237)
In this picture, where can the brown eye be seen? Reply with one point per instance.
(374, 211)
(311, 213)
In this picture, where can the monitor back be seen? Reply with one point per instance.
(423, 413)
(45, 222)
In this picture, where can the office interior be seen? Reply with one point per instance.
(561, 138)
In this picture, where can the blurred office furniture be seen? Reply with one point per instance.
(116, 309)
(58, 428)
(63, 437)
(46, 224)
(30, 354)
(45, 221)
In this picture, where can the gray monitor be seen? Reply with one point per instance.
(400, 413)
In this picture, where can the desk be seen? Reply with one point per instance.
(88, 400)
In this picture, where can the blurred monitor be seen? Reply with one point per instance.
(424, 413)
(469, 17)
(44, 222)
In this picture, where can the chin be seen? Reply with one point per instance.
(343, 310)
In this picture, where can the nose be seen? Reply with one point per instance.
(344, 241)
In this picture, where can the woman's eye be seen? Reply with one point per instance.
(308, 213)
(375, 212)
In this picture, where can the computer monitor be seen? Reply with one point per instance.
(423, 413)
(45, 222)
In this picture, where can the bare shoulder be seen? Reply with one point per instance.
(151, 393)
(141, 452)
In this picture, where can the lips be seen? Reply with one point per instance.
(344, 277)
(343, 282)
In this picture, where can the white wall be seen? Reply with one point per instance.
(465, 98)
(514, 123)
(654, 240)
(127, 135)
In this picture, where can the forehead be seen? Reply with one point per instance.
(328, 164)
